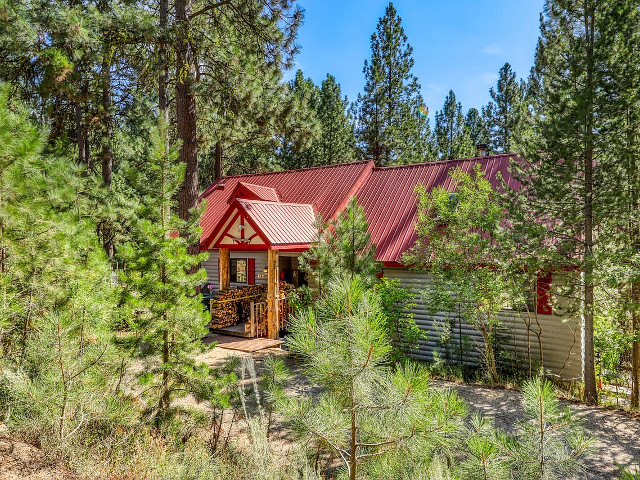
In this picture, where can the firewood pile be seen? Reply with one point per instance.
(234, 306)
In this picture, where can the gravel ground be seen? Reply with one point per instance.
(617, 433)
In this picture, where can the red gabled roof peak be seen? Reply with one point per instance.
(250, 191)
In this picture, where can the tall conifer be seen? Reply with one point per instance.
(337, 144)
(564, 180)
(476, 126)
(167, 319)
(504, 112)
(390, 128)
(620, 233)
(452, 136)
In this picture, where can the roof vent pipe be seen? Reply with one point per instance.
(482, 149)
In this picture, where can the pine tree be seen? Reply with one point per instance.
(344, 247)
(337, 143)
(505, 111)
(619, 235)
(320, 132)
(563, 184)
(549, 443)
(476, 127)
(222, 50)
(367, 410)
(390, 128)
(300, 145)
(168, 320)
(56, 298)
(453, 139)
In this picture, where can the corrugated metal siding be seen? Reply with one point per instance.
(561, 338)
(211, 267)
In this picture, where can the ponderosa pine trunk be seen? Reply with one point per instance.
(106, 155)
(590, 391)
(186, 118)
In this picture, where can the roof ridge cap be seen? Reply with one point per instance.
(274, 203)
(317, 167)
(451, 160)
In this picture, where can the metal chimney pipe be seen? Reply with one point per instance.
(482, 149)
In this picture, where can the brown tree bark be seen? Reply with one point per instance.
(186, 117)
(590, 390)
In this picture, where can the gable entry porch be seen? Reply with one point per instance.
(256, 244)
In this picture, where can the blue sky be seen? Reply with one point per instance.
(457, 44)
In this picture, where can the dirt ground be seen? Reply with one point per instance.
(21, 461)
(617, 433)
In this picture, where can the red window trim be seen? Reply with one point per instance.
(543, 294)
(251, 273)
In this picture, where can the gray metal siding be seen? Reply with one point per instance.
(561, 337)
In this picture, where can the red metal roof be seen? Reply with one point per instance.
(387, 195)
(282, 223)
(254, 192)
(327, 188)
(389, 199)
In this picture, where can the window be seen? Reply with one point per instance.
(239, 270)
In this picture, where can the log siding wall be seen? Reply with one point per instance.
(211, 267)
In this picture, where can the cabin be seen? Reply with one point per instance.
(256, 226)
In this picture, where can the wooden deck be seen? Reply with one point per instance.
(234, 330)
(248, 345)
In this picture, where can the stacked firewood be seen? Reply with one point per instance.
(233, 306)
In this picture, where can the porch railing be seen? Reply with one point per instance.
(258, 317)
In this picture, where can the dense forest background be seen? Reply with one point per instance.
(115, 115)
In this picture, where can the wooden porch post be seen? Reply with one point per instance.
(225, 269)
(272, 294)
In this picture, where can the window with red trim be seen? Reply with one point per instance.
(239, 270)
